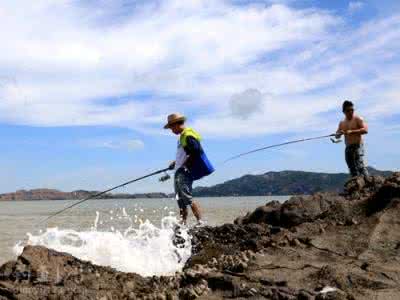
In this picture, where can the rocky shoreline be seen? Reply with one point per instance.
(324, 246)
(52, 194)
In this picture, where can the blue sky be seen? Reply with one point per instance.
(85, 86)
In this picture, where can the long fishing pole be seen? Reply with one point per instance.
(167, 169)
(279, 145)
(102, 193)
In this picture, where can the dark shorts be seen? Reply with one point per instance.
(355, 160)
(183, 188)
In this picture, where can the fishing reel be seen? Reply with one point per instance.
(165, 178)
(336, 141)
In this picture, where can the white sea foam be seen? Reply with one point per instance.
(147, 250)
(328, 289)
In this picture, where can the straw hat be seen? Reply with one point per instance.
(173, 119)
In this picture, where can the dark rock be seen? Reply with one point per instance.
(304, 295)
(388, 190)
(220, 282)
(7, 270)
(269, 214)
(281, 251)
(304, 209)
(361, 187)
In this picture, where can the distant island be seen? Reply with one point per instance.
(270, 183)
(281, 183)
(52, 194)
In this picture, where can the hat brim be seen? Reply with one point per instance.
(168, 126)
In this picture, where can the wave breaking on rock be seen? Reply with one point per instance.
(145, 249)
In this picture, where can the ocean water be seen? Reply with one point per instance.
(131, 235)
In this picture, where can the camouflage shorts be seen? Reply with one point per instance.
(355, 160)
(183, 188)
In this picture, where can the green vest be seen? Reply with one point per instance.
(201, 166)
(186, 133)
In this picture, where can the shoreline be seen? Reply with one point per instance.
(324, 246)
(162, 198)
(273, 183)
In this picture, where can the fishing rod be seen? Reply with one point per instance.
(102, 193)
(166, 176)
(284, 144)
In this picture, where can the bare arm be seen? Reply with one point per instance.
(363, 128)
(339, 131)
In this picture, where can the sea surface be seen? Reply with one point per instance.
(132, 235)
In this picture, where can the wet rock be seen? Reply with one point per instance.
(304, 295)
(362, 187)
(280, 251)
(269, 214)
(6, 270)
(299, 209)
(229, 239)
(388, 190)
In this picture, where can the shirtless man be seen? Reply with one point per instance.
(353, 128)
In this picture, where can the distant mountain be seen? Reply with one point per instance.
(271, 183)
(281, 183)
(50, 194)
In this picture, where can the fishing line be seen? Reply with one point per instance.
(166, 176)
(101, 193)
(281, 144)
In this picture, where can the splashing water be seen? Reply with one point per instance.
(146, 250)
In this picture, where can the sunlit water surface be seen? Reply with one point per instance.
(131, 235)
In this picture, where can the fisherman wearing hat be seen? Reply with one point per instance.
(191, 164)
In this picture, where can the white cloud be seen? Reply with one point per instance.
(61, 61)
(355, 6)
(246, 104)
(115, 144)
(362, 66)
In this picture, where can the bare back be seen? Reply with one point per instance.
(354, 124)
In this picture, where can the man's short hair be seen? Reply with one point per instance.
(347, 104)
